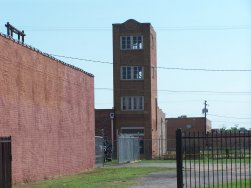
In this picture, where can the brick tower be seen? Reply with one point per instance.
(135, 83)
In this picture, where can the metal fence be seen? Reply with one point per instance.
(213, 159)
(128, 148)
(5, 162)
(99, 148)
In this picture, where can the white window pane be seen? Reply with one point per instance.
(140, 42)
(140, 73)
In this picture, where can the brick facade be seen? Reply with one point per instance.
(48, 109)
(146, 87)
(103, 123)
(187, 124)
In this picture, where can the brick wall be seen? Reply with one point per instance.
(103, 123)
(187, 124)
(48, 109)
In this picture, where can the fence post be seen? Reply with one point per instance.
(10, 160)
(179, 164)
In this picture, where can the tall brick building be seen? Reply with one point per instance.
(135, 84)
(47, 106)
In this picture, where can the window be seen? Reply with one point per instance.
(131, 42)
(137, 131)
(137, 73)
(132, 73)
(132, 103)
(126, 42)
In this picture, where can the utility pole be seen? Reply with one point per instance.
(205, 111)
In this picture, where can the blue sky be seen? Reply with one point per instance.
(210, 34)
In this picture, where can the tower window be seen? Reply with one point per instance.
(132, 73)
(132, 103)
(131, 42)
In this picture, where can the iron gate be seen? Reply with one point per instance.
(5, 162)
(219, 159)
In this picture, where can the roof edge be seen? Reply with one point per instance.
(44, 54)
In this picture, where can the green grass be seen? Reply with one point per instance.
(115, 162)
(240, 184)
(157, 161)
(101, 177)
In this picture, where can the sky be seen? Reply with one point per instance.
(194, 34)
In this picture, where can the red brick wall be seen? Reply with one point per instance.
(103, 121)
(48, 109)
(189, 124)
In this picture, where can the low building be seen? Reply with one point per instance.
(104, 123)
(187, 124)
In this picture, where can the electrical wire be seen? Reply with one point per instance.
(81, 59)
(231, 117)
(180, 91)
(159, 67)
(170, 28)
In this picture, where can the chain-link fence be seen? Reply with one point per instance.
(99, 143)
(147, 148)
(128, 148)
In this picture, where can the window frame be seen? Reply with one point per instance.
(127, 42)
(124, 75)
(141, 133)
(132, 103)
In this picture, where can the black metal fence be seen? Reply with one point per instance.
(213, 159)
(5, 162)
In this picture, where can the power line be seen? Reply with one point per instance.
(207, 70)
(81, 59)
(213, 92)
(180, 91)
(231, 122)
(159, 67)
(199, 101)
(231, 117)
(170, 28)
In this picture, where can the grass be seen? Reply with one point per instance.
(235, 184)
(100, 177)
(157, 161)
(115, 162)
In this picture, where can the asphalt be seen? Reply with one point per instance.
(154, 180)
(157, 180)
(196, 175)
